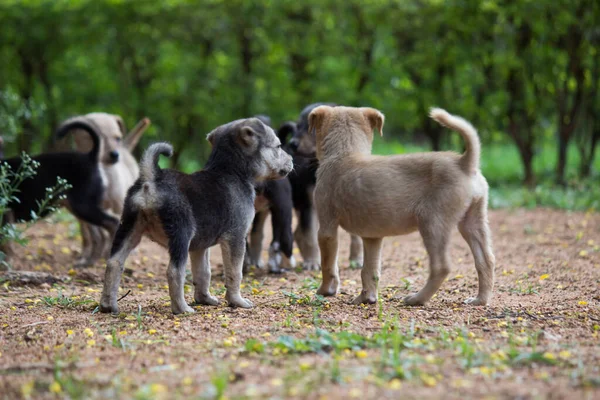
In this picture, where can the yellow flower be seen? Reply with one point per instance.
(72, 272)
(549, 356)
(428, 380)
(583, 253)
(187, 381)
(395, 384)
(122, 333)
(65, 250)
(276, 382)
(55, 387)
(564, 355)
(582, 303)
(361, 354)
(88, 332)
(50, 318)
(69, 332)
(156, 388)
(151, 331)
(544, 277)
(91, 342)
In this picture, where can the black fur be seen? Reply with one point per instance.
(81, 171)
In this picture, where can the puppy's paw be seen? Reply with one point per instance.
(413, 300)
(182, 310)
(476, 301)
(239, 301)
(109, 308)
(328, 290)
(83, 263)
(206, 300)
(365, 298)
(311, 265)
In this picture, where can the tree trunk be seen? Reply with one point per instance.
(51, 109)
(25, 138)
(563, 142)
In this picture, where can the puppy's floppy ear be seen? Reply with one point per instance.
(121, 123)
(375, 118)
(316, 118)
(247, 136)
(211, 138)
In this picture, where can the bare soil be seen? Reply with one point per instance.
(538, 339)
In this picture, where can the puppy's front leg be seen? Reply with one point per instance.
(371, 272)
(233, 257)
(328, 244)
(201, 275)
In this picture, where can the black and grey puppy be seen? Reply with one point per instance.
(81, 171)
(303, 180)
(275, 197)
(190, 213)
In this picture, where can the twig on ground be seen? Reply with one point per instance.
(125, 295)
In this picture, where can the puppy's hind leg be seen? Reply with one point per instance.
(201, 276)
(179, 244)
(328, 244)
(356, 251)
(475, 230)
(233, 257)
(87, 243)
(306, 235)
(371, 272)
(128, 236)
(436, 237)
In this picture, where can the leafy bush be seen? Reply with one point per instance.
(9, 188)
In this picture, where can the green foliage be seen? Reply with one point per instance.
(523, 72)
(10, 181)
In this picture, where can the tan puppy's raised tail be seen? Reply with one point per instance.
(470, 158)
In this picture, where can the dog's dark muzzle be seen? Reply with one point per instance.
(114, 156)
(294, 144)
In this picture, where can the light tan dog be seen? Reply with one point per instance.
(119, 169)
(377, 196)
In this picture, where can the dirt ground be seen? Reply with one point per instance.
(538, 339)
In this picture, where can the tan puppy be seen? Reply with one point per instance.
(376, 196)
(119, 169)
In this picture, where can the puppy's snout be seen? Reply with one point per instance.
(114, 156)
(294, 143)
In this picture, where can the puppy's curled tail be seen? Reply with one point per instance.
(470, 158)
(86, 126)
(149, 163)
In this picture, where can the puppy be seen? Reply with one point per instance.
(375, 197)
(119, 170)
(303, 179)
(83, 199)
(273, 196)
(190, 213)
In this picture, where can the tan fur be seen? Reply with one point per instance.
(119, 177)
(375, 196)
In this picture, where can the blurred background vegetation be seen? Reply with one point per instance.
(525, 72)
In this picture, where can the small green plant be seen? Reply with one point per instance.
(62, 301)
(10, 180)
